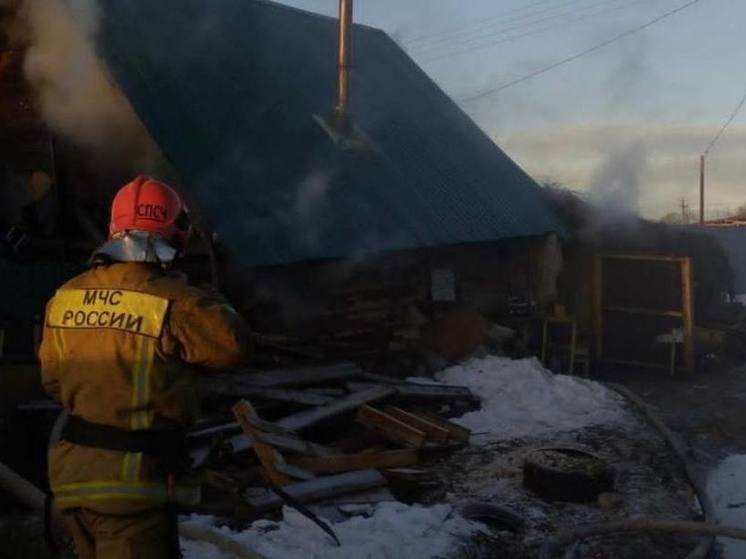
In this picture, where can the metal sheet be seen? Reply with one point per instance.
(232, 100)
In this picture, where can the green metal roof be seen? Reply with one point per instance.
(228, 88)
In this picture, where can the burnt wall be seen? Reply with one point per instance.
(381, 294)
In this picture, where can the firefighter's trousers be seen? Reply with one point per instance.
(144, 535)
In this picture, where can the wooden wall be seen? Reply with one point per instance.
(382, 294)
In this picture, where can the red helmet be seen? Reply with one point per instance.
(145, 204)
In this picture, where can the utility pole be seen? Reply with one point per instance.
(702, 189)
(684, 211)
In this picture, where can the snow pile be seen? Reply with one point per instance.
(726, 488)
(393, 531)
(521, 398)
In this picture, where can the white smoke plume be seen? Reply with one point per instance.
(616, 183)
(74, 93)
(312, 204)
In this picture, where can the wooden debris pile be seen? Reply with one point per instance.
(330, 435)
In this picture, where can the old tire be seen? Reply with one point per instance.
(566, 475)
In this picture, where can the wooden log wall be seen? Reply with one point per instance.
(371, 301)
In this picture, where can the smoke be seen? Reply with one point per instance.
(630, 88)
(311, 204)
(616, 182)
(72, 89)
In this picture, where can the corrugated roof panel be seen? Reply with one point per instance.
(228, 88)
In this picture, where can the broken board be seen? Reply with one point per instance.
(390, 427)
(320, 489)
(360, 461)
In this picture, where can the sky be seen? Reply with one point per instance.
(648, 105)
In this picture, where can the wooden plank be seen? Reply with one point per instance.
(406, 386)
(299, 446)
(302, 377)
(221, 481)
(266, 453)
(326, 391)
(213, 431)
(360, 461)
(370, 497)
(456, 432)
(277, 470)
(287, 443)
(382, 379)
(307, 418)
(321, 488)
(421, 392)
(391, 428)
(435, 433)
(264, 393)
(687, 304)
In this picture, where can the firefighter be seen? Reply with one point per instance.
(123, 343)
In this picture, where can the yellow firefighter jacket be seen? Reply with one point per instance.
(122, 345)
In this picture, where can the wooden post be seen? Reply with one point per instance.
(687, 307)
(598, 286)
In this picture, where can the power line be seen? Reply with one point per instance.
(574, 57)
(491, 32)
(497, 25)
(726, 125)
(484, 21)
(539, 30)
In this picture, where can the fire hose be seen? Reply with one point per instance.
(24, 492)
(33, 498)
(647, 524)
(642, 524)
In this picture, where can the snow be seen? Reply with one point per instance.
(202, 550)
(726, 488)
(521, 398)
(518, 399)
(392, 531)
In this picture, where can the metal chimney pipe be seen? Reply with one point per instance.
(343, 61)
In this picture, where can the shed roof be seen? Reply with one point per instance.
(229, 88)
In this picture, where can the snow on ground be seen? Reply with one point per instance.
(726, 487)
(392, 531)
(521, 398)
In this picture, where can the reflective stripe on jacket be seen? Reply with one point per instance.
(122, 346)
